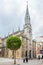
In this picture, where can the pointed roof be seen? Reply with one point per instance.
(27, 12)
(19, 28)
(27, 16)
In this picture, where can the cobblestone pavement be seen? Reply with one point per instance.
(20, 62)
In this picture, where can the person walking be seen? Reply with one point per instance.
(39, 57)
(26, 59)
(42, 58)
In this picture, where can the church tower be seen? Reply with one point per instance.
(27, 26)
(28, 33)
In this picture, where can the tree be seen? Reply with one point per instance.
(13, 43)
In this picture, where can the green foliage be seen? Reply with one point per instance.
(13, 42)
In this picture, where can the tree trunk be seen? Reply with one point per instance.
(14, 56)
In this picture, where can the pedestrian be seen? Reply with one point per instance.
(42, 58)
(39, 57)
(26, 59)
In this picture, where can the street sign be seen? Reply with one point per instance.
(41, 51)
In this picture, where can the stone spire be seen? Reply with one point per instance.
(19, 28)
(27, 26)
(27, 16)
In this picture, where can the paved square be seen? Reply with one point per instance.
(4, 61)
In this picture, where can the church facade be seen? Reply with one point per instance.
(26, 37)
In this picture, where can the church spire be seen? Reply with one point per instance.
(27, 16)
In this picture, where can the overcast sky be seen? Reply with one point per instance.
(12, 13)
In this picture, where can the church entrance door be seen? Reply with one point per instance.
(26, 55)
(30, 54)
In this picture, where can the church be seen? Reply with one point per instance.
(26, 37)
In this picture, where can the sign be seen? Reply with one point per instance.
(41, 51)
